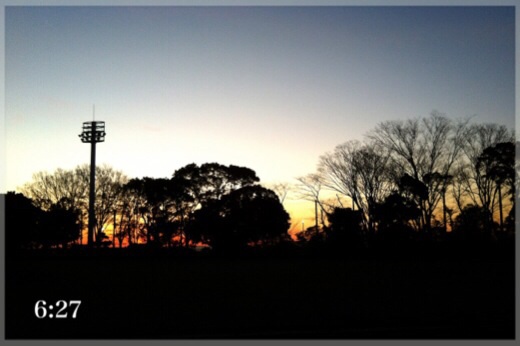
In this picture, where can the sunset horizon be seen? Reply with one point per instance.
(260, 172)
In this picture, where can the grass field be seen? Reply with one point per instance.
(185, 298)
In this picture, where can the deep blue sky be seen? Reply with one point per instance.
(270, 88)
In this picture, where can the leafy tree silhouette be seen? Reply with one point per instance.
(257, 213)
(71, 187)
(154, 205)
(213, 180)
(196, 187)
(414, 192)
(497, 163)
(394, 216)
(184, 204)
(472, 225)
(252, 214)
(31, 227)
(440, 182)
(22, 222)
(472, 182)
(345, 229)
(60, 225)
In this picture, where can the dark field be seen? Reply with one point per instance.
(249, 298)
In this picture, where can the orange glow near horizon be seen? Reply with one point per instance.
(301, 218)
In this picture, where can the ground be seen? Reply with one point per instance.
(165, 297)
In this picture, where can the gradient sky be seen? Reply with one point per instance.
(269, 88)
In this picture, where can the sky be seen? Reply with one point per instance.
(269, 88)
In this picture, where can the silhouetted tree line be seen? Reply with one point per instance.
(29, 226)
(415, 181)
(409, 182)
(221, 206)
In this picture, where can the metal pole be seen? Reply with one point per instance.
(92, 195)
(93, 132)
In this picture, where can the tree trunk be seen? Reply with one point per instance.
(444, 210)
(500, 206)
(316, 214)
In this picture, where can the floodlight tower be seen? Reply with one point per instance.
(93, 132)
